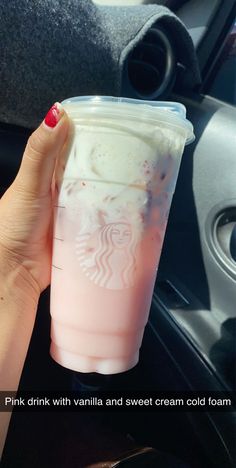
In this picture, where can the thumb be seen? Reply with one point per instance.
(44, 145)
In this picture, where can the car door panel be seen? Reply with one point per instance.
(198, 333)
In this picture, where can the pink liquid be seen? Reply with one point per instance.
(102, 304)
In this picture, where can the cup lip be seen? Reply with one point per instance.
(170, 112)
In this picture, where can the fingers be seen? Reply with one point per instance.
(44, 145)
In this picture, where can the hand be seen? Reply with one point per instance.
(26, 208)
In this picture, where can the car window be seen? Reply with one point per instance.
(222, 83)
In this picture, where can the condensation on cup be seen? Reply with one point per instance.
(113, 194)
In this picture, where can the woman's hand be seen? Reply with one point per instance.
(25, 247)
(26, 208)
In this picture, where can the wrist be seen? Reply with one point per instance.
(18, 306)
(16, 282)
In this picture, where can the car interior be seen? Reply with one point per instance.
(189, 342)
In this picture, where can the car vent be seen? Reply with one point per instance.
(151, 67)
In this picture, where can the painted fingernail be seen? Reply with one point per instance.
(53, 116)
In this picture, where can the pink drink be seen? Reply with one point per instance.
(114, 196)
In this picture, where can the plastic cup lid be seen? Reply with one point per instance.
(170, 112)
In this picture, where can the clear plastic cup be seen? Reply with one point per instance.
(114, 191)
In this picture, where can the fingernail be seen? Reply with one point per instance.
(54, 114)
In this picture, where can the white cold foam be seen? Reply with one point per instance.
(116, 153)
(113, 169)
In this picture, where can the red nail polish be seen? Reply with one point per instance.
(53, 116)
